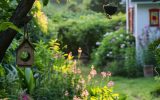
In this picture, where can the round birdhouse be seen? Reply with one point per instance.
(25, 54)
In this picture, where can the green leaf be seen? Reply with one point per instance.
(45, 2)
(6, 25)
(29, 79)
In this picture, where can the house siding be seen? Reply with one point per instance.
(142, 21)
(141, 0)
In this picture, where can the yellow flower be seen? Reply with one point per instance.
(70, 57)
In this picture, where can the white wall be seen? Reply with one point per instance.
(142, 16)
(142, 20)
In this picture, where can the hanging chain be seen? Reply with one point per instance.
(25, 32)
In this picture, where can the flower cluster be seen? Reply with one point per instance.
(110, 84)
(75, 70)
(105, 74)
(93, 72)
(86, 88)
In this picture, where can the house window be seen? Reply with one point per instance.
(154, 17)
(131, 19)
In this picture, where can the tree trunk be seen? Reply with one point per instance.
(19, 18)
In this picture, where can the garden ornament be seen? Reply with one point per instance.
(25, 52)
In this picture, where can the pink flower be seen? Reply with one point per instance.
(78, 71)
(85, 93)
(26, 97)
(104, 74)
(110, 84)
(93, 72)
(82, 81)
(76, 98)
(89, 77)
(109, 73)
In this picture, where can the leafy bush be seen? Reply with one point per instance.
(155, 51)
(9, 86)
(117, 52)
(113, 47)
(86, 30)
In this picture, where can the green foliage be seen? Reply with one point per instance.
(148, 57)
(2, 71)
(113, 47)
(9, 87)
(45, 2)
(117, 53)
(6, 8)
(86, 30)
(43, 55)
(154, 51)
(103, 93)
(40, 19)
(29, 79)
(6, 25)
(50, 83)
(9, 58)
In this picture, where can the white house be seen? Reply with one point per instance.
(143, 20)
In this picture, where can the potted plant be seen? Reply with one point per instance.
(148, 59)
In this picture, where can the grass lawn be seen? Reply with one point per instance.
(134, 88)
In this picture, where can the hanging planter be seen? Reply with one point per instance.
(109, 9)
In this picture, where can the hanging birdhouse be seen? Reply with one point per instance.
(109, 9)
(25, 53)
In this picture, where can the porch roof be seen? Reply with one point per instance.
(141, 0)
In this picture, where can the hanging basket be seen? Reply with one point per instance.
(110, 10)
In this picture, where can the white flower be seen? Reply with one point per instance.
(122, 45)
(98, 43)
(108, 55)
(110, 52)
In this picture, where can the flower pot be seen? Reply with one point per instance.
(148, 70)
(110, 10)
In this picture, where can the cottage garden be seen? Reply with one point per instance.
(74, 50)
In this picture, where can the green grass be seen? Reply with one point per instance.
(134, 88)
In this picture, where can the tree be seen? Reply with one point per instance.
(18, 18)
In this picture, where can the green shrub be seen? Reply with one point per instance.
(86, 30)
(113, 47)
(117, 53)
(155, 51)
(43, 56)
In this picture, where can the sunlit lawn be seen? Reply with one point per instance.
(134, 88)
